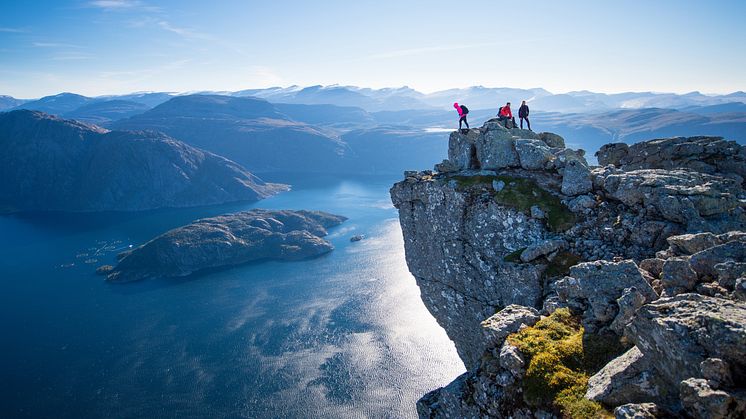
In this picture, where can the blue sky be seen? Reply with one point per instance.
(119, 46)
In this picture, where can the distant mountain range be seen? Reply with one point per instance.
(347, 129)
(51, 164)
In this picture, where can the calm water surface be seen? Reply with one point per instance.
(345, 335)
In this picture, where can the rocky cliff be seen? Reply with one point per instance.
(52, 164)
(575, 291)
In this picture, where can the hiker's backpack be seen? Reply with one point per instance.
(500, 111)
(464, 110)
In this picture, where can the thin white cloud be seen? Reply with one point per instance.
(12, 30)
(184, 32)
(54, 45)
(122, 5)
(72, 56)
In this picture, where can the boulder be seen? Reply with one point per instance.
(626, 379)
(533, 154)
(716, 372)
(676, 334)
(552, 140)
(630, 301)
(702, 401)
(542, 249)
(576, 178)
(728, 272)
(506, 321)
(511, 359)
(637, 411)
(689, 244)
(677, 276)
(601, 283)
(703, 262)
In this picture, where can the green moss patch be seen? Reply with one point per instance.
(560, 361)
(514, 257)
(522, 194)
(561, 264)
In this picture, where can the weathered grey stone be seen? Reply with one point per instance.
(511, 359)
(637, 411)
(612, 154)
(701, 401)
(711, 289)
(580, 203)
(703, 263)
(678, 333)
(739, 291)
(677, 276)
(630, 301)
(689, 244)
(506, 321)
(680, 196)
(728, 272)
(716, 372)
(496, 150)
(228, 240)
(446, 166)
(626, 379)
(552, 140)
(536, 212)
(533, 154)
(576, 178)
(601, 283)
(542, 249)
(653, 265)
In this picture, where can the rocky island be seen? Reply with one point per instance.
(228, 240)
(578, 291)
(53, 164)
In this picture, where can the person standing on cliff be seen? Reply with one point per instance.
(523, 114)
(505, 114)
(462, 112)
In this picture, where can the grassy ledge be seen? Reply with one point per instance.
(561, 358)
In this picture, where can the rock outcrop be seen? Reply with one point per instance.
(51, 164)
(646, 253)
(228, 240)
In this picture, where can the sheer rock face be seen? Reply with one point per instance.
(488, 259)
(51, 164)
(228, 240)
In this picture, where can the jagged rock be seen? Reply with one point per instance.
(703, 263)
(716, 372)
(227, 240)
(711, 289)
(533, 154)
(451, 401)
(626, 379)
(104, 269)
(677, 276)
(630, 301)
(552, 140)
(506, 321)
(580, 203)
(601, 283)
(728, 272)
(612, 154)
(446, 166)
(576, 178)
(542, 249)
(702, 154)
(680, 196)
(689, 244)
(701, 401)
(637, 411)
(653, 265)
(511, 359)
(678, 333)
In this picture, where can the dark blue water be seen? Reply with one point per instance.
(345, 335)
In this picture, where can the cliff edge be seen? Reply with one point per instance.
(572, 290)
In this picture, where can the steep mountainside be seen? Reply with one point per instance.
(52, 164)
(249, 131)
(571, 291)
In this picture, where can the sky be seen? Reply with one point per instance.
(97, 47)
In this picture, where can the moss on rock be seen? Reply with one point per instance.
(559, 365)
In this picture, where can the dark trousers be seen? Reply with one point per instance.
(527, 121)
(463, 119)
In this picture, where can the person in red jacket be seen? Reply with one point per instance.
(505, 114)
(462, 112)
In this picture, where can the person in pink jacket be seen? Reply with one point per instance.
(462, 112)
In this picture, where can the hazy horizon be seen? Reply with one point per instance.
(108, 47)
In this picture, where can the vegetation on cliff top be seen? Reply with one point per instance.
(522, 194)
(561, 358)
